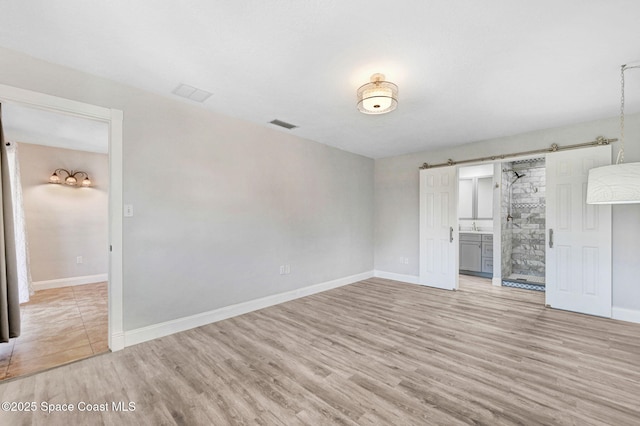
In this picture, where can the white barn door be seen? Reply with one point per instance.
(438, 228)
(578, 241)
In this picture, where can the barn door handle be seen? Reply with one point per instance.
(451, 234)
(550, 237)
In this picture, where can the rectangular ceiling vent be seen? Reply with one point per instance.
(284, 124)
(193, 93)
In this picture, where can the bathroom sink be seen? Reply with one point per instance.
(477, 231)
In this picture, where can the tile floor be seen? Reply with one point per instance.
(526, 282)
(527, 278)
(58, 326)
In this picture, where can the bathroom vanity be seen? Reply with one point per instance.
(476, 253)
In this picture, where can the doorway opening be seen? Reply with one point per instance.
(573, 263)
(475, 220)
(113, 119)
(501, 218)
(64, 247)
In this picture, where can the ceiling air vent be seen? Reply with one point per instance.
(284, 124)
(190, 92)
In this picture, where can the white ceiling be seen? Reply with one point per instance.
(467, 70)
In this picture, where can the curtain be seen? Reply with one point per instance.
(25, 285)
(9, 293)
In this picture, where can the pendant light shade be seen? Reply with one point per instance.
(378, 96)
(614, 184)
(618, 183)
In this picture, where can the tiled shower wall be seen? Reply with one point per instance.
(507, 235)
(527, 228)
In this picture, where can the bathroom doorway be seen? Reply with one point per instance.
(523, 224)
(476, 219)
(64, 311)
(114, 119)
(553, 241)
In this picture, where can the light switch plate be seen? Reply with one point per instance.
(128, 210)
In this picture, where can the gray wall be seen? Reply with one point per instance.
(219, 203)
(64, 222)
(396, 199)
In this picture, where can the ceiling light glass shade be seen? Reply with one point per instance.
(86, 181)
(378, 96)
(70, 180)
(615, 184)
(54, 178)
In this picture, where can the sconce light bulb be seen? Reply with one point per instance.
(86, 181)
(70, 180)
(54, 178)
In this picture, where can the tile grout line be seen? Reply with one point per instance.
(84, 325)
(6, 370)
(13, 347)
(76, 299)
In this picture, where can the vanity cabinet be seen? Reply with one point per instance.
(487, 254)
(476, 254)
(471, 252)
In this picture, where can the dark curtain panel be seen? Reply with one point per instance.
(9, 299)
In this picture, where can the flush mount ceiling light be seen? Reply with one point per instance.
(71, 178)
(618, 183)
(378, 96)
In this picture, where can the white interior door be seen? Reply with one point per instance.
(438, 228)
(578, 241)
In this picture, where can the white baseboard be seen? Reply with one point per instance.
(624, 314)
(117, 342)
(66, 282)
(143, 334)
(411, 279)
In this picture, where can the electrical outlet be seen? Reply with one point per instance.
(406, 260)
(78, 260)
(285, 269)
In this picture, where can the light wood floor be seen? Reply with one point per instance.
(59, 326)
(377, 352)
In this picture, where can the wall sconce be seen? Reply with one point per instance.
(71, 178)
